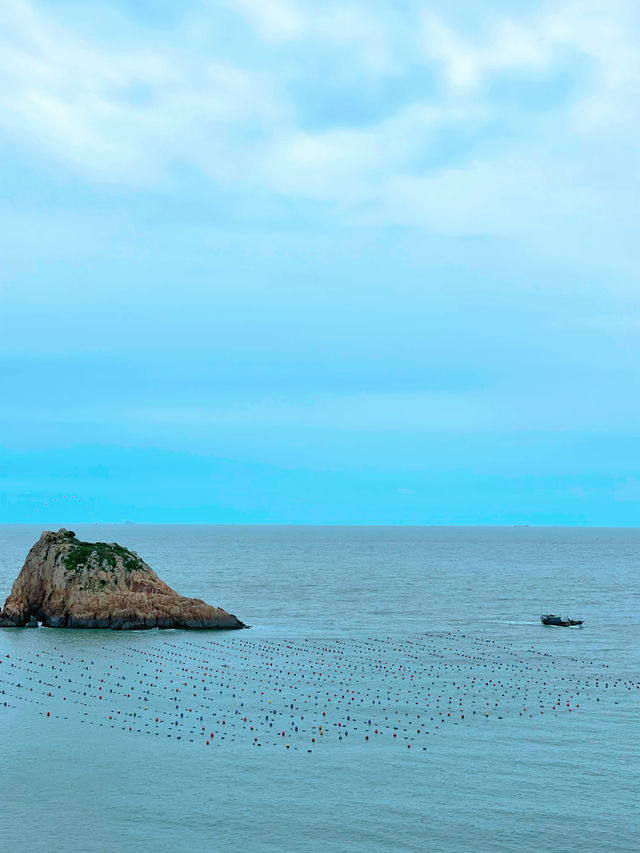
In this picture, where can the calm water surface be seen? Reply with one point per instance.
(395, 615)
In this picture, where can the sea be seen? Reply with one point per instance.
(396, 692)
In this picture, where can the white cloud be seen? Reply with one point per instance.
(334, 23)
(127, 113)
(354, 165)
(608, 35)
(274, 19)
(508, 46)
(115, 113)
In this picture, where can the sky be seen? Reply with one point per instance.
(281, 261)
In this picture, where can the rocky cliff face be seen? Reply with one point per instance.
(65, 583)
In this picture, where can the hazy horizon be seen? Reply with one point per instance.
(69, 524)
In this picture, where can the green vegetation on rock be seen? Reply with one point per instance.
(80, 553)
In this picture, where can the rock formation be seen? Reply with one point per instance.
(65, 583)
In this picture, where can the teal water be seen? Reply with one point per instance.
(508, 735)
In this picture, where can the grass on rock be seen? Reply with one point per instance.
(80, 553)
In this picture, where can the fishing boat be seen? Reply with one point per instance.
(558, 621)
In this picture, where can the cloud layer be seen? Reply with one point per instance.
(396, 238)
(519, 127)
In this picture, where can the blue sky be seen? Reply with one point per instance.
(353, 262)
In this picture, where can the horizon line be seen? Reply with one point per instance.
(536, 525)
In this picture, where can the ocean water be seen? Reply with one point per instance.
(396, 692)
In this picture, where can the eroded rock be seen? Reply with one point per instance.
(66, 583)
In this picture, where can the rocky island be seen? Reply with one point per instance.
(66, 583)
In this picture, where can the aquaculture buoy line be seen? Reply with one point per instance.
(301, 695)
